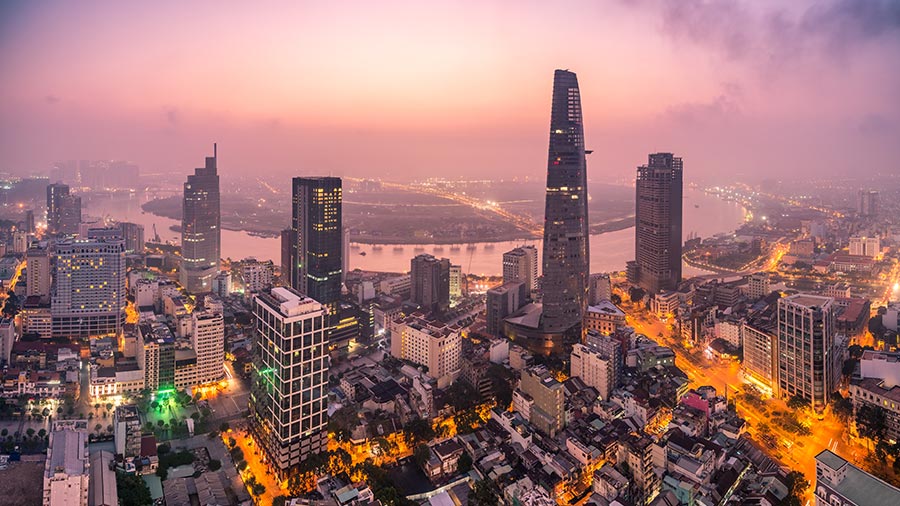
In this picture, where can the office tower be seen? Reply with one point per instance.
(596, 362)
(521, 264)
(865, 246)
(601, 288)
(288, 239)
(55, 192)
(430, 282)
(546, 399)
(658, 223)
(566, 258)
(760, 344)
(758, 285)
(133, 234)
(89, 295)
(806, 353)
(456, 281)
(316, 256)
(66, 471)
(208, 340)
(503, 301)
(430, 343)
(69, 217)
(37, 270)
(29, 222)
(201, 223)
(222, 284)
(289, 387)
(867, 203)
(127, 430)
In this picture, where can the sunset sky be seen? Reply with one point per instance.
(452, 89)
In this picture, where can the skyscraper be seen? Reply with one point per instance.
(201, 234)
(806, 349)
(657, 220)
(89, 291)
(317, 253)
(521, 264)
(38, 279)
(566, 253)
(55, 192)
(288, 239)
(430, 282)
(288, 392)
(867, 203)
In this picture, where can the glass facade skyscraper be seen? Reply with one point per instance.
(201, 228)
(566, 258)
(317, 253)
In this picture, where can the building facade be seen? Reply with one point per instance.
(521, 264)
(430, 282)
(658, 213)
(317, 254)
(566, 257)
(289, 386)
(502, 301)
(429, 343)
(806, 351)
(208, 340)
(37, 272)
(201, 227)
(547, 409)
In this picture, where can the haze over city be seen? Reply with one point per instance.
(404, 90)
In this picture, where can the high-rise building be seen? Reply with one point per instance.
(208, 340)
(758, 285)
(456, 281)
(127, 430)
(253, 275)
(69, 217)
(596, 362)
(865, 246)
(55, 192)
(89, 295)
(601, 288)
(37, 270)
(133, 234)
(760, 351)
(806, 349)
(201, 223)
(288, 239)
(521, 264)
(157, 356)
(658, 222)
(29, 222)
(430, 343)
(503, 301)
(566, 258)
(430, 282)
(867, 203)
(289, 387)
(317, 255)
(345, 257)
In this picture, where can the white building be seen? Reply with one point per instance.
(732, 331)
(66, 470)
(37, 270)
(398, 286)
(665, 304)
(7, 338)
(595, 368)
(255, 276)
(208, 340)
(865, 246)
(604, 317)
(455, 281)
(430, 343)
(758, 285)
(521, 264)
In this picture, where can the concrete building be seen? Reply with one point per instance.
(102, 485)
(503, 301)
(547, 409)
(430, 283)
(208, 340)
(760, 351)
(867, 203)
(566, 255)
(878, 385)
(758, 286)
(397, 286)
(456, 281)
(127, 430)
(806, 349)
(7, 338)
(289, 398)
(201, 228)
(521, 264)
(865, 246)
(66, 470)
(636, 455)
(604, 317)
(658, 217)
(429, 343)
(255, 276)
(156, 357)
(595, 368)
(839, 482)
(133, 235)
(89, 295)
(600, 288)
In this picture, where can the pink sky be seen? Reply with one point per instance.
(415, 89)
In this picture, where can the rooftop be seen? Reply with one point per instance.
(289, 302)
(606, 307)
(858, 486)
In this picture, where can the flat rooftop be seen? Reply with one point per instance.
(858, 486)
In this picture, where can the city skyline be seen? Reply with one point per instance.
(735, 94)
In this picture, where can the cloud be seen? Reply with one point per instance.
(723, 107)
(875, 124)
(51, 99)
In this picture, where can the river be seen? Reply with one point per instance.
(705, 215)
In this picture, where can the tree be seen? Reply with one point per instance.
(797, 402)
(163, 449)
(215, 465)
(484, 494)
(30, 432)
(42, 433)
(418, 430)
(797, 484)
(132, 490)
(223, 427)
(870, 422)
(109, 406)
(464, 465)
(160, 423)
(421, 454)
(279, 501)
(842, 407)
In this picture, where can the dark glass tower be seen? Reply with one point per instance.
(657, 230)
(201, 228)
(316, 255)
(63, 210)
(566, 258)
